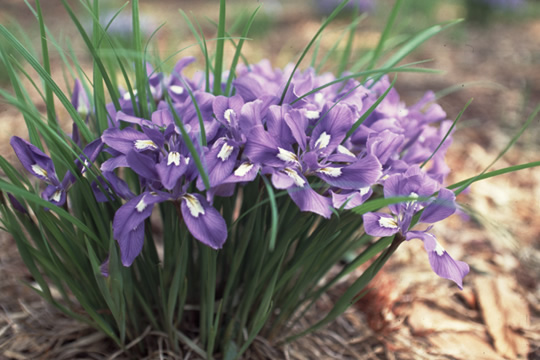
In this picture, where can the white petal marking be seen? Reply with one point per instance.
(319, 98)
(312, 114)
(38, 170)
(173, 158)
(145, 145)
(343, 150)
(141, 205)
(227, 115)
(57, 196)
(82, 109)
(439, 249)
(127, 95)
(388, 223)
(330, 171)
(294, 175)
(178, 90)
(364, 190)
(243, 169)
(287, 156)
(225, 152)
(322, 141)
(194, 205)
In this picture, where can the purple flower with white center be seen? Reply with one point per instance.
(34, 160)
(203, 221)
(128, 224)
(416, 184)
(289, 168)
(40, 165)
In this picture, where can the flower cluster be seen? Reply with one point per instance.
(196, 146)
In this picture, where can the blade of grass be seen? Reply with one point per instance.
(238, 52)
(501, 154)
(331, 17)
(113, 92)
(275, 216)
(402, 68)
(385, 34)
(51, 113)
(414, 43)
(369, 111)
(203, 47)
(220, 46)
(447, 133)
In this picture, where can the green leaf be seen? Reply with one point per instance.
(218, 68)
(304, 53)
(238, 52)
(275, 216)
(50, 82)
(467, 183)
(447, 133)
(372, 108)
(385, 34)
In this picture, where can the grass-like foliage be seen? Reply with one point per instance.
(213, 208)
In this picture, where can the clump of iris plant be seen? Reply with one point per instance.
(213, 208)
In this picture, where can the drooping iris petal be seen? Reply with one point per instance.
(350, 199)
(131, 243)
(114, 162)
(363, 172)
(54, 194)
(122, 116)
(34, 160)
(441, 262)
(143, 165)
(380, 224)
(128, 139)
(128, 224)
(203, 221)
(244, 172)
(308, 199)
(440, 208)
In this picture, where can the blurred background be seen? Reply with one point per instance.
(493, 56)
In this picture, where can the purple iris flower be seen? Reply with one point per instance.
(165, 171)
(317, 156)
(41, 166)
(416, 184)
(203, 221)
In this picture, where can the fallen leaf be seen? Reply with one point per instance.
(463, 345)
(425, 319)
(505, 314)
